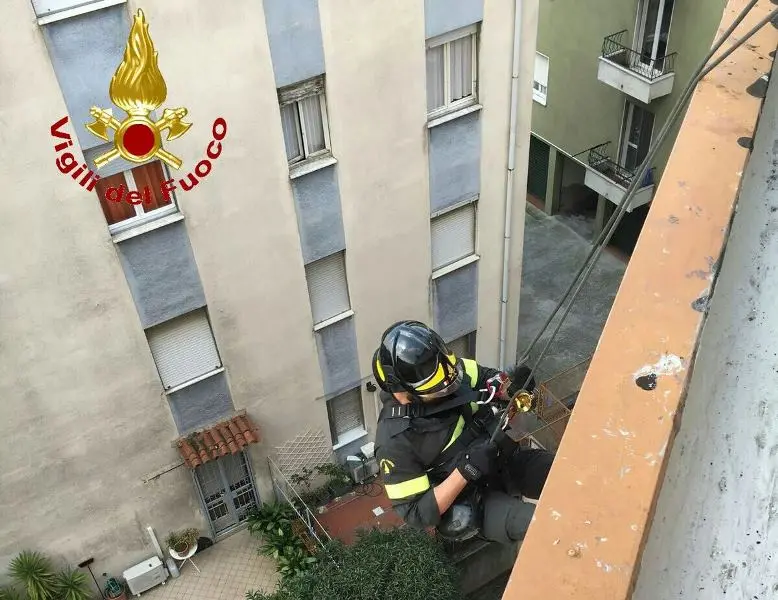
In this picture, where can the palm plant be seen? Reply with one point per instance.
(72, 585)
(33, 571)
(9, 593)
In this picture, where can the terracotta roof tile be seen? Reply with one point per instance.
(227, 437)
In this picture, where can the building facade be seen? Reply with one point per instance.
(607, 75)
(166, 329)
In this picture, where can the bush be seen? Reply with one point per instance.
(33, 572)
(402, 564)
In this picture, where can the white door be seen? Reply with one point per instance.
(636, 136)
(653, 32)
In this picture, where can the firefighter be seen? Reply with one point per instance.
(432, 444)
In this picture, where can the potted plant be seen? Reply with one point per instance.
(338, 480)
(33, 571)
(115, 590)
(72, 585)
(182, 541)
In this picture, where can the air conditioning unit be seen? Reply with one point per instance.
(145, 575)
(361, 468)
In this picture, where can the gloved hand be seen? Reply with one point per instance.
(500, 383)
(477, 461)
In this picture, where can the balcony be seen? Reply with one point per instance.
(633, 73)
(609, 179)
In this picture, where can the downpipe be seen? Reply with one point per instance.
(506, 252)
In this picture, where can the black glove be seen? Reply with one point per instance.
(477, 461)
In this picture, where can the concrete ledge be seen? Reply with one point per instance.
(591, 522)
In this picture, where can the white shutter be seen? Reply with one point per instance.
(183, 348)
(346, 413)
(56, 9)
(540, 83)
(327, 287)
(453, 236)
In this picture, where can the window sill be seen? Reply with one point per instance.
(310, 165)
(456, 114)
(333, 320)
(146, 227)
(349, 437)
(539, 99)
(59, 15)
(462, 262)
(186, 384)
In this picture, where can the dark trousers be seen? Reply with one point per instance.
(506, 516)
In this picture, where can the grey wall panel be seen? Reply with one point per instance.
(162, 274)
(337, 346)
(85, 52)
(455, 160)
(442, 16)
(319, 218)
(201, 404)
(294, 33)
(455, 298)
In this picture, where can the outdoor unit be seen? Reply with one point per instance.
(361, 468)
(145, 575)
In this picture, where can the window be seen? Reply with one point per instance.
(327, 287)
(653, 32)
(540, 79)
(147, 181)
(184, 349)
(347, 421)
(452, 71)
(463, 347)
(636, 135)
(453, 235)
(304, 120)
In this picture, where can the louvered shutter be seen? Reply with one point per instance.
(346, 413)
(460, 347)
(327, 287)
(183, 348)
(453, 236)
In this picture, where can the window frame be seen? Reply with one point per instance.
(142, 217)
(293, 95)
(344, 314)
(472, 204)
(539, 96)
(445, 40)
(353, 434)
(626, 126)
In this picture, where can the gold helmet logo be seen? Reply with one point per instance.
(138, 88)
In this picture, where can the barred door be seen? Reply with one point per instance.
(227, 490)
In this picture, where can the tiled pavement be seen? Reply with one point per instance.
(227, 570)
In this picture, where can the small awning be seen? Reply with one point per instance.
(227, 437)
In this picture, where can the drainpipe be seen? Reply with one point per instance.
(506, 252)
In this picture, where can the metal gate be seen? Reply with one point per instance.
(537, 169)
(226, 487)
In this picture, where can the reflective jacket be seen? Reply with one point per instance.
(416, 453)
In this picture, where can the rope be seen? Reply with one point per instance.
(602, 241)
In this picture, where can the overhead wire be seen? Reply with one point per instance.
(602, 241)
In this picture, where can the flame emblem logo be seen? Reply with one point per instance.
(138, 88)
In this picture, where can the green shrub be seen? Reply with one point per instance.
(270, 517)
(72, 585)
(32, 570)
(402, 564)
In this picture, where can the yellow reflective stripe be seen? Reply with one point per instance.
(380, 370)
(457, 432)
(439, 376)
(471, 368)
(398, 491)
(474, 407)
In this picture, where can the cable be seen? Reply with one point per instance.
(583, 273)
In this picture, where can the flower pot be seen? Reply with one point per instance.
(181, 549)
(122, 596)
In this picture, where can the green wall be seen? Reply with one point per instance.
(581, 112)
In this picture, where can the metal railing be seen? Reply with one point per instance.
(598, 159)
(285, 492)
(614, 50)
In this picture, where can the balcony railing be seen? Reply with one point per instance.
(598, 159)
(614, 50)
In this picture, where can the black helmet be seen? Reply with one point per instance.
(413, 358)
